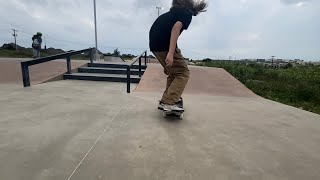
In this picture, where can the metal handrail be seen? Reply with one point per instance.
(134, 60)
(25, 65)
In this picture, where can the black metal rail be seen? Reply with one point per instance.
(144, 55)
(25, 65)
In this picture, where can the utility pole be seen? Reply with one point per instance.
(159, 8)
(95, 27)
(272, 58)
(15, 37)
(45, 43)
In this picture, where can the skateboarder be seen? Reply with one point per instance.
(163, 37)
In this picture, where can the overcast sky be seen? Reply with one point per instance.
(237, 28)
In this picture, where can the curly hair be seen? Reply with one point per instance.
(195, 6)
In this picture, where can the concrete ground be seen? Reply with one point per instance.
(10, 70)
(112, 59)
(203, 80)
(94, 130)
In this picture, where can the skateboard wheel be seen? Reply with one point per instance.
(164, 114)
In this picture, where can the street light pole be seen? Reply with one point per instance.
(272, 59)
(45, 43)
(15, 37)
(95, 27)
(159, 8)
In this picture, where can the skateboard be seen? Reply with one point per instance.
(174, 114)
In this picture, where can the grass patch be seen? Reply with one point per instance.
(298, 87)
(15, 54)
(27, 53)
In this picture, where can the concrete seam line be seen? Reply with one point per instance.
(105, 129)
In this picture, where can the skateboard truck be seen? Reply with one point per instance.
(174, 114)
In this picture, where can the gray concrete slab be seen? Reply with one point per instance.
(10, 70)
(203, 80)
(113, 59)
(94, 130)
(45, 130)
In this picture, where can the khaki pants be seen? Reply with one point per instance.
(178, 76)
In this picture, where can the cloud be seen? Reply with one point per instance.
(145, 4)
(238, 28)
(295, 1)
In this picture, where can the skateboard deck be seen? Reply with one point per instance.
(174, 114)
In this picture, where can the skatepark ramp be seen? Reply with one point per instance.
(203, 80)
(113, 59)
(82, 130)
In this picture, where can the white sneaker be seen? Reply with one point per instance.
(167, 107)
(161, 105)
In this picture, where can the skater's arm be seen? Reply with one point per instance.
(175, 32)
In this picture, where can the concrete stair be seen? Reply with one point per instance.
(107, 72)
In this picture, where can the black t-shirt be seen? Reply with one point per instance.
(160, 32)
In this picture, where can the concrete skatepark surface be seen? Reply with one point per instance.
(203, 80)
(113, 59)
(10, 70)
(94, 130)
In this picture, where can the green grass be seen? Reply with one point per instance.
(28, 54)
(298, 87)
(15, 54)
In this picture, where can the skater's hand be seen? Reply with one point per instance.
(169, 60)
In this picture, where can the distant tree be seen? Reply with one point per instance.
(127, 56)
(116, 52)
(206, 60)
(289, 65)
